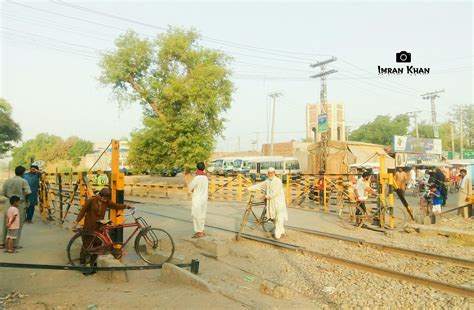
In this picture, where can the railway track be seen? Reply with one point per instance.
(442, 286)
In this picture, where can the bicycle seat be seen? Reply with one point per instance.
(104, 222)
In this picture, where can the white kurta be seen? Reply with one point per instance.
(276, 204)
(465, 190)
(199, 186)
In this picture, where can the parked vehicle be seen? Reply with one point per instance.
(283, 166)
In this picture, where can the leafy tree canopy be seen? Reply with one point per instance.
(51, 148)
(184, 89)
(381, 130)
(10, 131)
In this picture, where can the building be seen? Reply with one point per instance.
(103, 163)
(299, 150)
(336, 121)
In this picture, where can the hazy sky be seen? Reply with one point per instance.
(49, 61)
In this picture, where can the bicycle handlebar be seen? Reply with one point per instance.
(132, 212)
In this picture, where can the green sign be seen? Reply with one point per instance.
(322, 123)
(467, 154)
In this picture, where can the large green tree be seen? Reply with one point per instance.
(184, 89)
(51, 148)
(10, 131)
(381, 130)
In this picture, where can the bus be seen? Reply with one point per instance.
(283, 166)
(231, 165)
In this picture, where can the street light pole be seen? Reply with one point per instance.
(273, 95)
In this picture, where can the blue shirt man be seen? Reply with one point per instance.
(33, 178)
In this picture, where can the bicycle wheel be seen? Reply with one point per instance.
(243, 223)
(268, 225)
(84, 247)
(395, 218)
(155, 246)
(352, 216)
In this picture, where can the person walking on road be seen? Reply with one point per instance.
(401, 179)
(33, 178)
(199, 189)
(16, 186)
(465, 191)
(275, 200)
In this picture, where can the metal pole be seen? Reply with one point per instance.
(452, 139)
(462, 135)
(416, 125)
(273, 127)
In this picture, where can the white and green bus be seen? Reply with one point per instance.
(283, 166)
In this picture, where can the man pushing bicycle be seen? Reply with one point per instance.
(93, 212)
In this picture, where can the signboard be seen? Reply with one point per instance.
(322, 123)
(409, 159)
(467, 154)
(405, 144)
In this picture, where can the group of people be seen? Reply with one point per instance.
(22, 197)
(274, 196)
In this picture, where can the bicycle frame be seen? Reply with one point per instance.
(105, 229)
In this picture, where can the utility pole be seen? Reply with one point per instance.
(452, 139)
(462, 134)
(414, 114)
(324, 106)
(432, 96)
(273, 95)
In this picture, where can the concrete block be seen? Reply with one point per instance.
(174, 274)
(214, 248)
(111, 276)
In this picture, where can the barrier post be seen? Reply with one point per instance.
(324, 193)
(117, 185)
(288, 198)
(239, 190)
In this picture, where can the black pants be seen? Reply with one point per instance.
(88, 242)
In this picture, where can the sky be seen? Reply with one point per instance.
(50, 53)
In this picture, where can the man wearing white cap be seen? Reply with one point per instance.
(276, 205)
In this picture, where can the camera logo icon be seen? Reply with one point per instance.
(403, 56)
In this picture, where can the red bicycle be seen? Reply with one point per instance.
(152, 245)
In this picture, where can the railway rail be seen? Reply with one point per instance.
(442, 286)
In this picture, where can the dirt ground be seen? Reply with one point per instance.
(246, 274)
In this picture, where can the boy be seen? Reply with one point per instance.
(437, 199)
(13, 223)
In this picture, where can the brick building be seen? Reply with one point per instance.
(336, 121)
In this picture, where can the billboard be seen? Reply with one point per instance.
(405, 144)
(323, 123)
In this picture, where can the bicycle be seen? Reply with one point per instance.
(152, 245)
(267, 224)
(352, 215)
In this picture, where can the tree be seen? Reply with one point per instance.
(183, 87)
(381, 130)
(50, 148)
(425, 130)
(10, 131)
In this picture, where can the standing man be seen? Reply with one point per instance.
(361, 189)
(276, 204)
(401, 179)
(199, 188)
(33, 178)
(16, 186)
(465, 191)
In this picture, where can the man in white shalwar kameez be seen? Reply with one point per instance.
(199, 188)
(276, 204)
